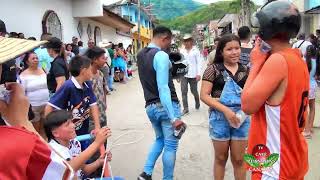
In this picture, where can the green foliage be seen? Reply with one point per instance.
(203, 15)
(168, 9)
(214, 11)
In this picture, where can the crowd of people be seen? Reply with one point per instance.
(258, 96)
(258, 93)
(65, 87)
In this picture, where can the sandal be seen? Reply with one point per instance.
(307, 135)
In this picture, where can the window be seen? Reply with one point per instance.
(80, 29)
(52, 24)
(136, 16)
(89, 33)
(97, 35)
(126, 17)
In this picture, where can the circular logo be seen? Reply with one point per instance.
(261, 152)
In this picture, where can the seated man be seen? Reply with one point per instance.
(60, 130)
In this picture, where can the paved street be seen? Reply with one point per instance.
(194, 160)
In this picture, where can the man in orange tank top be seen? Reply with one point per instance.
(276, 94)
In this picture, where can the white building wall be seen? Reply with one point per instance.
(87, 8)
(26, 16)
(108, 33)
(20, 16)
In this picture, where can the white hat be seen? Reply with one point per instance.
(187, 36)
(11, 48)
(104, 43)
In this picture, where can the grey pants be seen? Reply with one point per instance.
(194, 90)
(105, 71)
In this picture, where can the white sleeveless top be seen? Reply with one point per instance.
(36, 88)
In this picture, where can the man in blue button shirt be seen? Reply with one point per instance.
(162, 104)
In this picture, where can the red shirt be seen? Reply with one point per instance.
(24, 156)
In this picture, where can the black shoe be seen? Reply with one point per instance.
(197, 106)
(144, 176)
(185, 112)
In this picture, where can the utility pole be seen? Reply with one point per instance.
(246, 12)
(139, 22)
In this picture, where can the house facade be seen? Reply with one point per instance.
(310, 13)
(129, 10)
(229, 23)
(64, 19)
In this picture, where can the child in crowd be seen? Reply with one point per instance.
(76, 95)
(60, 130)
(98, 61)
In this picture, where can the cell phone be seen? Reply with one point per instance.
(9, 72)
(4, 93)
(265, 47)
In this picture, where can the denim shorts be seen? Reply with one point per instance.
(220, 129)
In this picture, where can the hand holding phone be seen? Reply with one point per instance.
(260, 52)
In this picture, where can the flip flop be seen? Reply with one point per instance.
(307, 135)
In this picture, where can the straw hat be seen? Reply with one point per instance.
(187, 37)
(11, 48)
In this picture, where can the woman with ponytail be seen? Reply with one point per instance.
(311, 56)
(58, 72)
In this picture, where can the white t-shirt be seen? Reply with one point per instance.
(68, 153)
(303, 47)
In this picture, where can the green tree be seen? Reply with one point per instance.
(236, 5)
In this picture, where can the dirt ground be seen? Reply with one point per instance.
(195, 155)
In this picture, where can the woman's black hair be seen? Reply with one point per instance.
(25, 60)
(54, 120)
(78, 63)
(57, 46)
(130, 46)
(95, 53)
(32, 38)
(311, 53)
(222, 44)
(80, 43)
(68, 45)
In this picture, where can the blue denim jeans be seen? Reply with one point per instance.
(110, 79)
(219, 127)
(165, 140)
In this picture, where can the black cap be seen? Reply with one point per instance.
(54, 43)
(3, 28)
